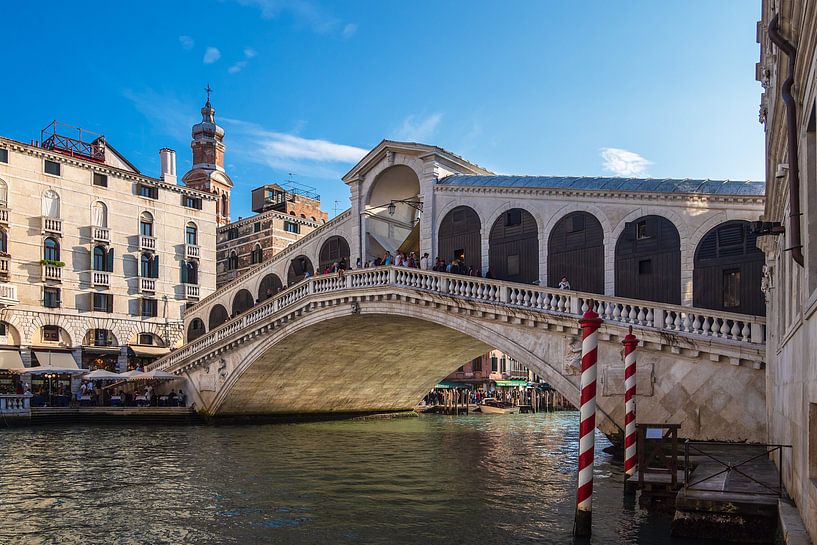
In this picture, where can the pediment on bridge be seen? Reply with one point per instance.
(387, 149)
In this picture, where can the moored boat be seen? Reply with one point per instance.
(489, 405)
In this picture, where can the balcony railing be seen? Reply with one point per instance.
(101, 279)
(8, 294)
(191, 291)
(101, 234)
(147, 243)
(52, 272)
(4, 214)
(191, 251)
(52, 225)
(147, 285)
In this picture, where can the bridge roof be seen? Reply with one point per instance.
(651, 185)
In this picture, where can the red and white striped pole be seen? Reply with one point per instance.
(630, 343)
(590, 323)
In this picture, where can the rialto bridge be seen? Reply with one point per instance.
(673, 258)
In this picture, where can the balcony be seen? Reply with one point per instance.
(191, 251)
(147, 285)
(101, 234)
(52, 272)
(8, 294)
(52, 225)
(191, 291)
(5, 263)
(147, 244)
(4, 214)
(101, 279)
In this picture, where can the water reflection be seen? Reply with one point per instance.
(475, 479)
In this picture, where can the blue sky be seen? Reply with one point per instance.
(661, 89)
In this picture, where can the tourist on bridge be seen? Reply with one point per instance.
(564, 284)
(424, 262)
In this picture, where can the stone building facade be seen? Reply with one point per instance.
(103, 259)
(787, 34)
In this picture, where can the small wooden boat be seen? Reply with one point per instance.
(489, 405)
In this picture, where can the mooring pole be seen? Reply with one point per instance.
(630, 343)
(590, 323)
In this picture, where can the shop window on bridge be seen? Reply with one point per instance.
(460, 237)
(513, 217)
(731, 288)
(645, 267)
(513, 265)
(648, 261)
(641, 230)
(576, 251)
(195, 330)
(513, 247)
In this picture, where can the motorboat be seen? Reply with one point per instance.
(491, 405)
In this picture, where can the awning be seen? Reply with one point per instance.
(101, 349)
(451, 385)
(63, 360)
(388, 244)
(512, 383)
(148, 351)
(10, 359)
(102, 374)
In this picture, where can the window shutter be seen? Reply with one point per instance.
(109, 259)
(155, 267)
(184, 272)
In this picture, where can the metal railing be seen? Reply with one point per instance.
(739, 466)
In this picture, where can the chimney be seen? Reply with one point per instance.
(168, 165)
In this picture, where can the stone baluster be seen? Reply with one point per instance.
(724, 328)
(735, 332)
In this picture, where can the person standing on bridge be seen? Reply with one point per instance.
(564, 284)
(424, 262)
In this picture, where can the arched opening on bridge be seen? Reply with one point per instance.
(333, 251)
(576, 251)
(195, 329)
(513, 251)
(242, 302)
(269, 286)
(648, 261)
(728, 270)
(218, 315)
(393, 212)
(299, 267)
(460, 237)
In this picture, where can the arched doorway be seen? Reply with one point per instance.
(195, 329)
(728, 270)
(298, 269)
(576, 250)
(333, 251)
(218, 315)
(269, 286)
(392, 212)
(242, 302)
(459, 237)
(648, 261)
(513, 251)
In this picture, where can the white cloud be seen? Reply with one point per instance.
(237, 67)
(249, 52)
(303, 12)
(624, 163)
(211, 55)
(349, 30)
(416, 128)
(187, 42)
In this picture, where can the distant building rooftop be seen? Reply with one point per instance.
(655, 185)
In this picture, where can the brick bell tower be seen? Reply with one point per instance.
(207, 172)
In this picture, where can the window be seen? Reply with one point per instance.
(494, 364)
(100, 180)
(145, 338)
(645, 266)
(148, 191)
(99, 258)
(291, 227)
(4, 241)
(149, 308)
(149, 266)
(257, 254)
(51, 249)
(146, 224)
(312, 218)
(191, 202)
(256, 227)
(513, 265)
(2, 329)
(51, 297)
(513, 217)
(4, 193)
(191, 234)
(190, 273)
(577, 223)
(641, 230)
(102, 302)
(232, 262)
(476, 365)
(232, 234)
(51, 333)
(461, 369)
(731, 288)
(102, 337)
(51, 167)
(4, 155)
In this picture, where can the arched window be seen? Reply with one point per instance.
(270, 285)
(191, 234)
(312, 218)
(99, 258)
(292, 212)
(4, 193)
(190, 273)
(225, 205)
(218, 315)
(195, 330)
(459, 237)
(149, 266)
(146, 224)
(4, 241)
(303, 216)
(232, 262)
(242, 302)
(51, 249)
(257, 254)
(51, 204)
(99, 214)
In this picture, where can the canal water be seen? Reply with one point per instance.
(474, 480)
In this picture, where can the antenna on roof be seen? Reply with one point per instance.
(335, 209)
